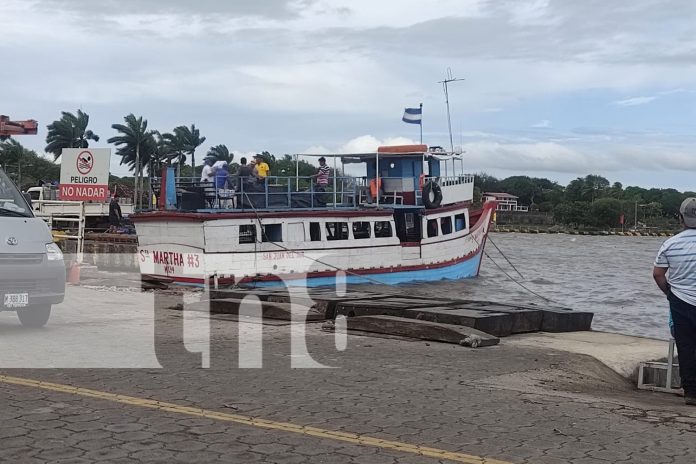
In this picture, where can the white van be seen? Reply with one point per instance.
(32, 271)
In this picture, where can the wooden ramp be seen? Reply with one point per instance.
(436, 319)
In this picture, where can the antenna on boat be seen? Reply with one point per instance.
(448, 79)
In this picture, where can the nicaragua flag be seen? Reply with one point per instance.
(412, 115)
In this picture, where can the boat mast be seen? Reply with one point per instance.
(448, 79)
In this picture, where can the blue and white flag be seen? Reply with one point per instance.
(413, 115)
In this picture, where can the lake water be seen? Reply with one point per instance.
(610, 276)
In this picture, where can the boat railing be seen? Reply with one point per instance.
(303, 192)
(280, 193)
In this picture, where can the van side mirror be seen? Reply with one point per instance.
(28, 198)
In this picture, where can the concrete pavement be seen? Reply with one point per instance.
(381, 400)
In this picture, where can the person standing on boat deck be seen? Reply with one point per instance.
(221, 176)
(261, 168)
(244, 172)
(208, 173)
(322, 175)
(675, 274)
(115, 215)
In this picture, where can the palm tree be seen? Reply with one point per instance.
(191, 139)
(70, 131)
(173, 148)
(220, 153)
(135, 147)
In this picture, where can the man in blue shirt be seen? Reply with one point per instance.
(675, 274)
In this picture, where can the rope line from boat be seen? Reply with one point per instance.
(506, 258)
(518, 282)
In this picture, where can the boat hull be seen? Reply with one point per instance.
(198, 249)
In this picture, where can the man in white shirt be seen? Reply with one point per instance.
(208, 172)
(675, 274)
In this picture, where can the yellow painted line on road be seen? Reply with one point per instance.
(352, 438)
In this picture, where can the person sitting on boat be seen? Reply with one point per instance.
(322, 176)
(208, 172)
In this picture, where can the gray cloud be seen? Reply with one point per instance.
(259, 8)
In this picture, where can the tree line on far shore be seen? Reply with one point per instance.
(590, 201)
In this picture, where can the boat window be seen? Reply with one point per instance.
(296, 232)
(383, 229)
(247, 233)
(460, 222)
(432, 228)
(272, 233)
(336, 231)
(315, 231)
(361, 230)
(446, 225)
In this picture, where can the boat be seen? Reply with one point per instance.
(409, 219)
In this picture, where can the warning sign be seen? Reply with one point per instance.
(84, 174)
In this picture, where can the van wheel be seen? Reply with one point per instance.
(34, 316)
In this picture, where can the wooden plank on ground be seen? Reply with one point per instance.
(424, 330)
(270, 310)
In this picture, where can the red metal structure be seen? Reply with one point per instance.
(8, 127)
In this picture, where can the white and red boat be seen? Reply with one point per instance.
(415, 223)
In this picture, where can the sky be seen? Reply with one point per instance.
(552, 88)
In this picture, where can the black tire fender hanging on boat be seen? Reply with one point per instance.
(434, 188)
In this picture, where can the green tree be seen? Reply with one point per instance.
(135, 145)
(190, 139)
(25, 166)
(574, 190)
(594, 187)
(220, 153)
(605, 212)
(523, 187)
(486, 182)
(70, 131)
(172, 147)
(671, 200)
(573, 213)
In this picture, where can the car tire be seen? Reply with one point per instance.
(34, 316)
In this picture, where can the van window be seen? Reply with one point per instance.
(446, 225)
(460, 222)
(432, 228)
(383, 229)
(247, 233)
(336, 231)
(361, 230)
(12, 203)
(315, 231)
(272, 233)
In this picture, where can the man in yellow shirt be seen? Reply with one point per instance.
(261, 168)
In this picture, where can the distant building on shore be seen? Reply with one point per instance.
(506, 202)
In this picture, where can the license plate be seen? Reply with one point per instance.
(16, 300)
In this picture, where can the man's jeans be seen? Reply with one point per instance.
(684, 316)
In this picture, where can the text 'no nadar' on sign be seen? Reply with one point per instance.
(84, 174)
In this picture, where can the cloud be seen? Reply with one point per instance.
(634, 101)
(262, 8)
(543, 124)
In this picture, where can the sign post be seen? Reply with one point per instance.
(84, 174)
